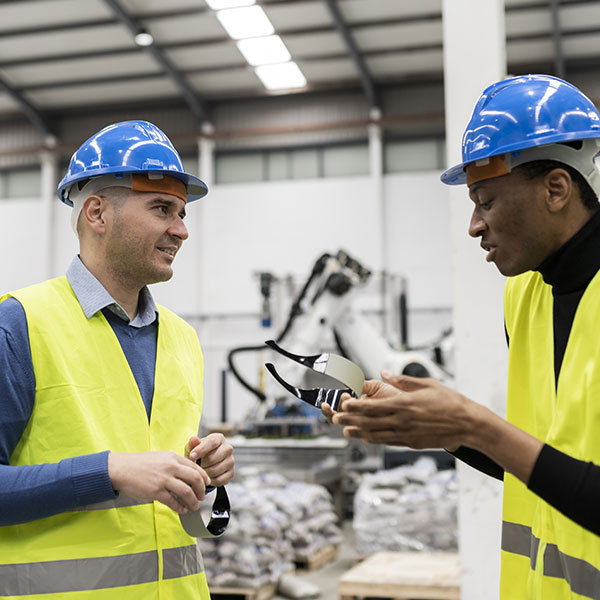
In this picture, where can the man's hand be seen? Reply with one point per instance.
(216, 454)
(422, 413)
(162, 476)
(407, 411)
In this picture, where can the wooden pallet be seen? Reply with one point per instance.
(403, 576)
(317, 560)
(238, 593)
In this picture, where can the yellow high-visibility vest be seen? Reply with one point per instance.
(87, 401)
(545, 555)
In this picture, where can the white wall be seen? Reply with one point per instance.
(21, 232)
(281, 227)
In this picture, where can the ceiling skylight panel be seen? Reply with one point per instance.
(248, 24)
(245, 22)
(221, 4)
(281, 76)
(264, 50)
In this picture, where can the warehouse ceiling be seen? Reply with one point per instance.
(58, 56)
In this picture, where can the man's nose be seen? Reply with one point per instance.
(178, 229)
(477, 225)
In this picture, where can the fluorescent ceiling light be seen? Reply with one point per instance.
(246, 22)
(221, 4)
(281, 77)
(264, 50)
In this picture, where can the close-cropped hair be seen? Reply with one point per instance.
(114, 193)
(540, 168)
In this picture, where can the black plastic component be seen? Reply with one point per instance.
(307, 361)
(338, 284)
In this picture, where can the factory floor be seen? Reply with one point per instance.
(326, 577)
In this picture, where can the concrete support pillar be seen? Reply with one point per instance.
(49, 180)
(206, 172)
(474, 57)
(376, 172)
(378, 198)
(206, 154)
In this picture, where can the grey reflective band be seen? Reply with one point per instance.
(552, 564)
(121, 501)
(583, 578)
(87, 574)
(193, 522)
(78, 575)
(517, 538)
(183, 561)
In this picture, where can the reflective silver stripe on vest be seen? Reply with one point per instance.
(77, 575)
(552, 564)
(182, 561)
(120, 501)
(583, 578)
(517, 539)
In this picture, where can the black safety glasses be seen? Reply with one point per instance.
(337, 367)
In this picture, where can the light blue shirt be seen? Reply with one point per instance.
(92, 296)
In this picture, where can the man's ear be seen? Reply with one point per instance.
(559, 188)
(94, 213)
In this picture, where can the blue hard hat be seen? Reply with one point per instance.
(125, 148)
(524, 112)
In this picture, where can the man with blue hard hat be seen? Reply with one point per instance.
(101, 390)
(529, 155)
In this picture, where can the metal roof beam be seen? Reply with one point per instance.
(46, 58)
(197, 107)
(237, 66)
(97, 22)
(559, 59)
(363, 71)
(31, 111)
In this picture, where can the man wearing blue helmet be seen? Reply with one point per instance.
(529, 155)
(101, 391)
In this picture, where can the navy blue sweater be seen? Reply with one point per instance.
(36, 491)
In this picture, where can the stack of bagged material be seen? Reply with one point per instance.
(409, 508)
(273, 520)
(315, 524)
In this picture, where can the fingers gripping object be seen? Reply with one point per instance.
(193, 522)
(337, 367)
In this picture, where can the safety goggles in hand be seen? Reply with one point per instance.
(337, 367)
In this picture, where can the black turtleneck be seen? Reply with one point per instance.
(569, 271)
(569, 485)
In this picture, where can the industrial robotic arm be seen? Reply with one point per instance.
(325, 313)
